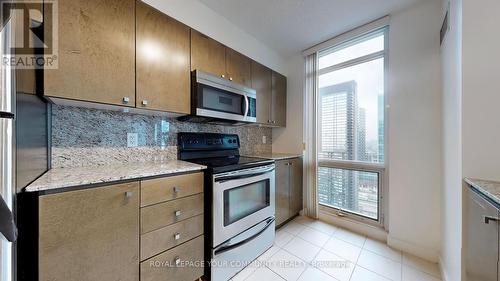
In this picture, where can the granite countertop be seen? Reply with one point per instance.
(276, 155)
(490, 189)
(82, 176)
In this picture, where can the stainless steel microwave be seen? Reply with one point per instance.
(217, 100)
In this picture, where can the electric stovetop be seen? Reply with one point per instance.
(230, 163)
(219, 152)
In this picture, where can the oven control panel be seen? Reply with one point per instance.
(208, 141)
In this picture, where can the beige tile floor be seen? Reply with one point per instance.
(305, 250)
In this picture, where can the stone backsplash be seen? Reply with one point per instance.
(90, 137)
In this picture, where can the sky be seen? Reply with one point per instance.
(369, 77)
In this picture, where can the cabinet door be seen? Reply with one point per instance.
(481, 239)
(238, 68)
(278, 110)
(96, 52)
(282, 191)
(207, 54)
(163, 65)
(90, 234)
(295, 186)
(262, 83)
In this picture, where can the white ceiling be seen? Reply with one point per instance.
(290, 26)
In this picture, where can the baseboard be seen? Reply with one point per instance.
(420, 251)
(373, 232)
(442, 268)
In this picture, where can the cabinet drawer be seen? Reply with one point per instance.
(162, 239)
(165, 189)
(163, 214)
(162, 267)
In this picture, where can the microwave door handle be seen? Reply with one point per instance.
(247, 105)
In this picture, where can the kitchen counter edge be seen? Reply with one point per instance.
(488, 189)
(65, 179)
(276, 156)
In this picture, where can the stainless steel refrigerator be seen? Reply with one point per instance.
(23, 148)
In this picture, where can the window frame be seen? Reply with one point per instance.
(380, 168)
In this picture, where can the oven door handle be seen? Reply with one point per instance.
(228, 246)
(236, 176)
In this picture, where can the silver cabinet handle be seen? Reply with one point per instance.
(487, 219)
(223, 76)
(269, 121)
(128, 194)
(230, 78)
(274, 122)
(177, 189)
(75, 51)
(177, 236)
(178, 213)
(177, 261)
(144, 103)
(126, 100)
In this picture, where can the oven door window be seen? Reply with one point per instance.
(211, 98)
(242, 201)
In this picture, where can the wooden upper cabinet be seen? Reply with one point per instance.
(262, 83)
(163, 70)
(90, 234)
(238, 68)
(207, 54)
(96, 52)
(278, 110)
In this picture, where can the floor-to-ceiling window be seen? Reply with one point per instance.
(350, 126)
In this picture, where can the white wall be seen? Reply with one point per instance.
(290, 139)
(481, 89)
(451, 56)
(198, 16)
(414, 96)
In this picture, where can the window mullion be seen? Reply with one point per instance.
(352, 62)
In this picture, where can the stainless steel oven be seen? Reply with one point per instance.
(243, 218)
(215, 98)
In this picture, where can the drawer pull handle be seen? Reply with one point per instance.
(177, 261)
(126, 100)
(230, 78)
(177, 236)
(223, 76)
(144, 103)
(128, 194)
(178, 213)
(177, 189)
(487, 219)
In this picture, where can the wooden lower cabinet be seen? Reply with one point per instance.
(282, 192)
(296, 191)
(172, 230)
(90, 234)
(165, 189)
(155, 242)
(288, 189)
(182, 263)
(163, 214)
(481, 238)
